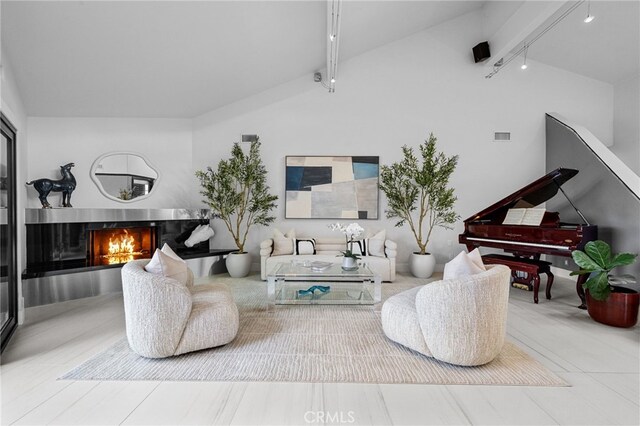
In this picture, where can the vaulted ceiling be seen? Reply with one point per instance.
(181, 59)
(184, 58)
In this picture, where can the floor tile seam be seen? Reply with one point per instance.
(541, 407)
(141, 402)
(634, 402)
(459, 405)
(577, 369)
(104, 324)
(43, 402)
(538, 353)
(77, 400)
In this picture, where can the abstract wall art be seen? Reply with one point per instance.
(319, 187)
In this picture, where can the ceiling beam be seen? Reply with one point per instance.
(530, 16)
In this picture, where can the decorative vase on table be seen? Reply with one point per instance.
(349, 263)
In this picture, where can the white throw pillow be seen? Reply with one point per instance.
(476, 258)
(283, 244)
(166, 249)
(167, 266)
(375, 244)
(461, 265)
(306, 246)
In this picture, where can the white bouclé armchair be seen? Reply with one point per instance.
(461, 321)
(165, 317)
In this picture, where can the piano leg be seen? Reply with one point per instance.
(536, 287)
(581, 280)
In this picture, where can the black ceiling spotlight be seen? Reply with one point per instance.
(481, 52)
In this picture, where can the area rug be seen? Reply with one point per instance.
(311, 344)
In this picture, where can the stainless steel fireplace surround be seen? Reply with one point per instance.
(73, 215)
(61, 263)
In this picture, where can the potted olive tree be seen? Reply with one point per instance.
(238, 194)
(607, 303)
(418, 194)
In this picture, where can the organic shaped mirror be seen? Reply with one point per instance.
(124, 176)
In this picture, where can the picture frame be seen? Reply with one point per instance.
(331, 187)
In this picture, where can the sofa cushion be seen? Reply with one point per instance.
(305, 246)
(375, 244)
(359, 247)
(283, 243)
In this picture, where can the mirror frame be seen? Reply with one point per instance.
(95, 179)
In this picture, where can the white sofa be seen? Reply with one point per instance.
(328, 250)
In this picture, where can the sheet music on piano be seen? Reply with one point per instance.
(528, 217)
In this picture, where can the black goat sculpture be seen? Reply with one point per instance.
(66, 185)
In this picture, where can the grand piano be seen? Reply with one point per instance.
(553, 237)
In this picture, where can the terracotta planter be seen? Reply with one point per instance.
(422, 265)
(619, 310)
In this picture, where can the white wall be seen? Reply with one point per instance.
(13, 109)
(396, 95)
(166, 143)
(626, 122)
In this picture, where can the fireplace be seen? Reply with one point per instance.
(114, 246)
(73, 253)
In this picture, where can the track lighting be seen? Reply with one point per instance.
(524, 64)
(334, 9)
(502, 62)
(589, 17)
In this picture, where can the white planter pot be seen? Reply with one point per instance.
(349, 263)
(238, 264)
(422, 265)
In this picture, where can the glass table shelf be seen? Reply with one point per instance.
(299, 284)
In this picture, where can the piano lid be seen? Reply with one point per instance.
(531, 195)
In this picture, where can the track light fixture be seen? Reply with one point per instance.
(589, 17)
(334, 10)
(501, 63)
(524, 64)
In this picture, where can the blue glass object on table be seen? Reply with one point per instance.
(312, 290)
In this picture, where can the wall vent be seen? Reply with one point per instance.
(502, 137)
(249, 138)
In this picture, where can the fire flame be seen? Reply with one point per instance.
(121, 248)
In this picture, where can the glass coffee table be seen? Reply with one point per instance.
(300, 283)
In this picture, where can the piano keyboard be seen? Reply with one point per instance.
(519, 243)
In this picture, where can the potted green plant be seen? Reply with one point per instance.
(418, 194)
(607, 303)
(351, 232)
(238, 194)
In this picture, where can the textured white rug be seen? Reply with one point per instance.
(311, 344)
